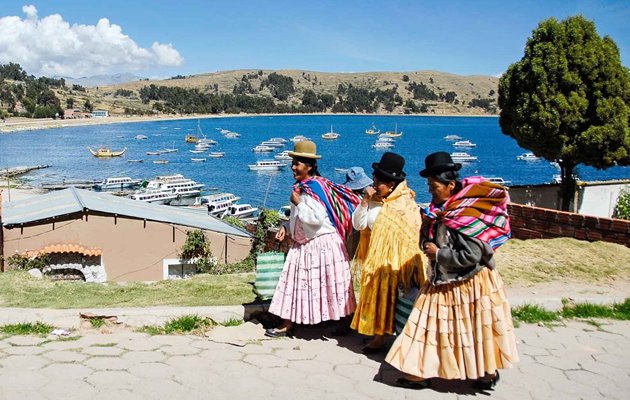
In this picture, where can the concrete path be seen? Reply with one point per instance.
(575, 360)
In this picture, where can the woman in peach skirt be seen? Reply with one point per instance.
(461, 324)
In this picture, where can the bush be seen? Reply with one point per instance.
(20, 262)
(622, 209)
(197, 250)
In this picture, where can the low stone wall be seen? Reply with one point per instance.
(542, 223)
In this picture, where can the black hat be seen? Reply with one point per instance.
(436, 163)
(391, 166)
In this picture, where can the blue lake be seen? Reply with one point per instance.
(65, 149)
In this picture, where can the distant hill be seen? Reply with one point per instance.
(102, 80)
(281, 91)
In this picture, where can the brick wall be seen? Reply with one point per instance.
(542, 223)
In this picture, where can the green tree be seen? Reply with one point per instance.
(70, 102)
(88, 106)
(568, 99)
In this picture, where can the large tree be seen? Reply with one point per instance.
(568, 99)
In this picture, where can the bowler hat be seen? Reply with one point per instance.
(436, 163)
(305, 149)
(391, 166)
(356, 179)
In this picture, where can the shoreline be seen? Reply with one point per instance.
(20, 124)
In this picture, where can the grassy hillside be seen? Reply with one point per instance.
(466, 88)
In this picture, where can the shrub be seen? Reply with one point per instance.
(20, 262)
(622, 209)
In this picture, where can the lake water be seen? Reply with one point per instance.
(65, 149)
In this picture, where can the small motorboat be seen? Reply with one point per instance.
(216, 154)
(198, 159)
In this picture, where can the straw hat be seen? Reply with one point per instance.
(306, 149)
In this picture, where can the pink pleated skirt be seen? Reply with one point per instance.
(316, 282)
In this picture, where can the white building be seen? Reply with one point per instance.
(100, 114)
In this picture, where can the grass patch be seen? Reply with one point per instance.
(27, 328)
(185, 324)
(619, 311)
(533, 313)
(231, 322)
(19, 289)
(96, 322)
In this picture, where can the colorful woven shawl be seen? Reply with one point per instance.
(479, 210)
(338, 200)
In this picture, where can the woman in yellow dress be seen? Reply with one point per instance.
(460, 326)
(388, 254)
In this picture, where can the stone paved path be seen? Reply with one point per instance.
(573, 361)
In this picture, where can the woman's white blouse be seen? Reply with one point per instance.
(313, 215)
(364, 217)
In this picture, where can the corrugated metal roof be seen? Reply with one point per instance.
(72, 200)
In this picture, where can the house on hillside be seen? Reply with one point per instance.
(72, 113)
(98, 236)
(100, 114)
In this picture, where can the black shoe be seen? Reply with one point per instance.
(277, 332)
(481, 384)
(373, 350)
(416, 385)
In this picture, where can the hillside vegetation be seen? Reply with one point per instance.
(254, 91)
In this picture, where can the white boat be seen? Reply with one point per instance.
(383, 138)
(285, 212)
(198, 159)
(452, 137)
(217, 203)
(171, 150)
(298, 138)
(240, 210)
(262, 149)
(153, 153)
(278, 139)
(232, 135)
(462, 157)
(160, 161)
(330, 135)
(383, 145)
(216, 154)
(153, 196)
(119, 183)
(342, 170)
(266, 165)
(141, 137)
(464, 143)
(206, 141)
(394, 133)
(283, 155)
(498, 180)
(224, 131)
(271, 143)
(202, 146)
(134, 161)
(373, 130)
(197, 151)
(528, 157)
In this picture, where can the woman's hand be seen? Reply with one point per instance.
(282, 233)
(430, 250)
(295, 197)
(369, 194)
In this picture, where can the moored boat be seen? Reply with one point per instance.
(452, 137)
(104, 152)
(330, 135)
(262, 149)
(198, 159)
(528, 157)
(240, 210)
(373, 130)
(118, 183)
(216, 154)
(153, 196)
(464, 143)
(462, 157)
(283, 155)
(266, 165)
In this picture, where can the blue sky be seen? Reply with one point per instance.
(166, 38)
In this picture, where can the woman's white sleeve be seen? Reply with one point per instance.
(360, 218)
(311, 212)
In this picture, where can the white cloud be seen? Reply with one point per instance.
(51, 46)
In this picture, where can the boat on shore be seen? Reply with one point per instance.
(266, 165)
(153, 196)
(216, 203)
(240, 210)
(118, 183)
(105, 152)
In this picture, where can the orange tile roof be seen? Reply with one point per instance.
(64, 248)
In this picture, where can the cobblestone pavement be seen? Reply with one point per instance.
(576, 360)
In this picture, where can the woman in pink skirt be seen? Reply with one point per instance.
(316, 283)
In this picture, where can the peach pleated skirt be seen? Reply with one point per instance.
(461, 330)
